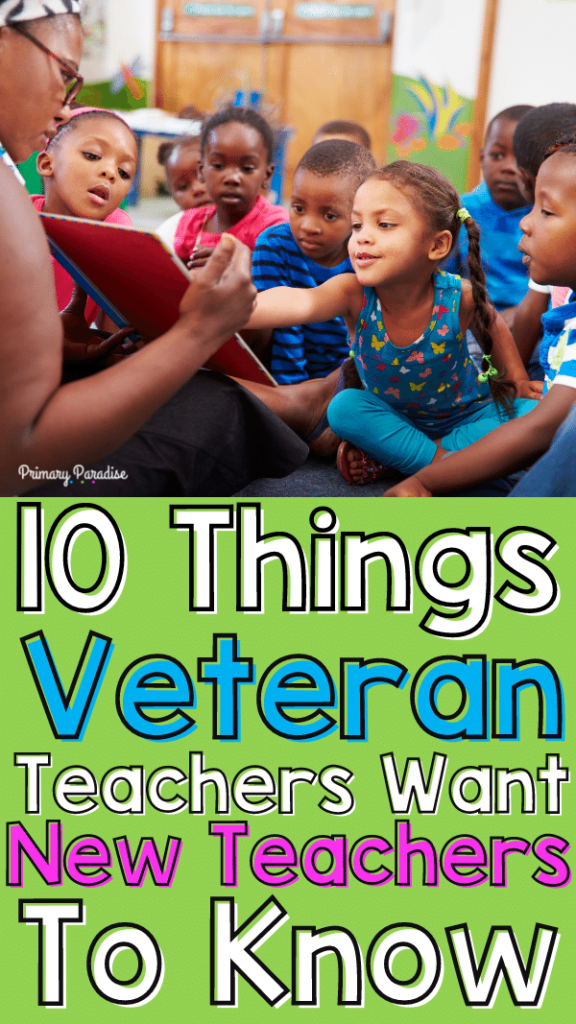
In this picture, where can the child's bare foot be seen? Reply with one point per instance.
(321, 439)
(303, 406)
(326, 444)
(358, 468)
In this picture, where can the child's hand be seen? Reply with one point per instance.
(199, 257)
(96, 347)
(527, 388)
(80, 343)
(408, 488)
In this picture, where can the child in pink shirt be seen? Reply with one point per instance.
(236, 167)
(87, 169)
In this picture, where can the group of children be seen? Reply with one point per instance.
(376, 261)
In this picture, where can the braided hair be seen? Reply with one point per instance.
(438, 202)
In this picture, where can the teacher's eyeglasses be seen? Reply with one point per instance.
(73, 82)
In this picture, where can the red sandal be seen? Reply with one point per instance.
(371, 468)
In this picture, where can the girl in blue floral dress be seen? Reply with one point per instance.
(422, 396)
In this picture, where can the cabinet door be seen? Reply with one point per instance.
(312, 61)
(207, 51)
(336, 64)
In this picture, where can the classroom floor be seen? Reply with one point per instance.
(320, 478)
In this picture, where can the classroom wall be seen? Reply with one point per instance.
(533, 62)
(428, 39)
(132, 31)
(434, 84)
(119, 31)
(436, 47)
(534, 57)
(119, 53)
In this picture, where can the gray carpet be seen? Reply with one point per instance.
(319, 478)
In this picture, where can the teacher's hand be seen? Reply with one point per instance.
(221, 298)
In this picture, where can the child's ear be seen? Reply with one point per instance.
(526, 183)
(45, 165)
(200, 171)
(269, 172)
(440, 246)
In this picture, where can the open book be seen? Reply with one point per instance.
(137, 280)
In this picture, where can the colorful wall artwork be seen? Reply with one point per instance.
(435, 65)
(127, 90)
(431, 124)
(117, 55)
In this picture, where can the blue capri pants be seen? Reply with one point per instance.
(391, 437)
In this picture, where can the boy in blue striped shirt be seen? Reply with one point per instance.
(309, 250)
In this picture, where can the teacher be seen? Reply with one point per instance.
(164, 427)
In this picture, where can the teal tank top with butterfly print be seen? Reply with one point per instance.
(432, 378)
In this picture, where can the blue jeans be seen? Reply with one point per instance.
(554, 475)
(391, 437)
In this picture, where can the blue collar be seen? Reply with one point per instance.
(555, 318)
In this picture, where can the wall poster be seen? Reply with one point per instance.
(435, 65)
(284, 755)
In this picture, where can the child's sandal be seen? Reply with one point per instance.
(371, 468)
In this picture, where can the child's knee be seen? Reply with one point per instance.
(343, 410)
